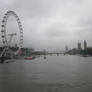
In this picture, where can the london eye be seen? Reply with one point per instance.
(11, 38)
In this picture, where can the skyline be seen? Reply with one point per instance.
(51, 24)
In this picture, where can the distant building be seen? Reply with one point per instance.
(16, 45)
(66, 48)
(79, 46)
(27, 51)
(85, 45)
(89, 47)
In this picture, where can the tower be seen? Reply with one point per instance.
(66, 48)
(79, 46)
(85, 45)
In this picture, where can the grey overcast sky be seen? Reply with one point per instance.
(52, 24)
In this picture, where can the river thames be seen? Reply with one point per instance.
(61, 73)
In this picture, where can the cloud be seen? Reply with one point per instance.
(52, 23)
(57, 30)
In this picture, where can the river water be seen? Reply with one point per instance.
(55, 74)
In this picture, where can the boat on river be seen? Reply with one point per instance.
(30, 58)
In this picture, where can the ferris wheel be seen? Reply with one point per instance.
(7, 37)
